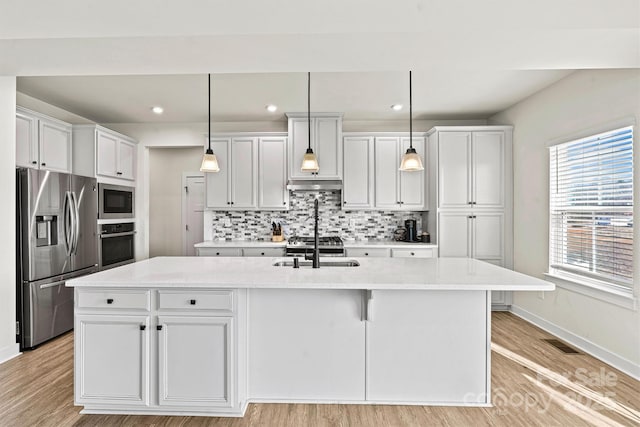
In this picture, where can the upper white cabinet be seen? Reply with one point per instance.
(396, 189)
(272, 173)
(471, 169)
(252, 175)
(326, 142)
(357, 192)
(105, 154)
(42, 142)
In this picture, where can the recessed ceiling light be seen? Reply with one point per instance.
(157, 110)
(271, 108)
(396, 107)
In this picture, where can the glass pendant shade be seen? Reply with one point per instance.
(209, 162)
(411, 161)
(310, 162)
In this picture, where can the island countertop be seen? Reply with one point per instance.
(372, 274)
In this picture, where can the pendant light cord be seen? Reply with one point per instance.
(309, 107)
(410, 114)
(209, 111)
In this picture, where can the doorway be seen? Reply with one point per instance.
(192, 211)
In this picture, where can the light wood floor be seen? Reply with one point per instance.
(534, 384)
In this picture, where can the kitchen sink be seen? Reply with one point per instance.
(323, 263)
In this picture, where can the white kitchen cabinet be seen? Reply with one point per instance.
(234, 186)
(404, 365)
(112, 359)
(195, 354)
(184, 352)
(326, 142)
(307, 345)
(43, 142)
(477, 235)
(266, 252)
(272, 173)
(213, 251)
(104, 154)
(357, 192)
(396, 189)
(471, 169)
(413, 253)
(368, 252)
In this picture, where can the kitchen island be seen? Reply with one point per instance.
(206, 336)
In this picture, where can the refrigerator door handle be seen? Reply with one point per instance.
(51, 285)
(76, 223)
(67, 223)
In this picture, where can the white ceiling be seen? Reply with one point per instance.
(243, 97)
(470, 58)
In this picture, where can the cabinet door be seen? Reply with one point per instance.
(412, 355)
(112, 360)
(488, 169)
(488, 236)
(55, 146)
(126, 160)
(357, 192)
(386, 173)
(194, 360)
(272, 170)
(298, 143)
(218, 183)
(412, 184)
(26, 141)
(243, 171)
(107, 154)
(454, 234)
(307, 344)
(327, 143)
(454, 165)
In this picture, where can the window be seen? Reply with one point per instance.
(591, 208)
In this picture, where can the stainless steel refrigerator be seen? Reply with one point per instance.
(56, 240)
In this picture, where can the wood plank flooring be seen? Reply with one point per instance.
(534, 384)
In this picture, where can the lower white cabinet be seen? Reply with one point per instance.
(268, 252)
(368, 252)
(185, 352)
(403, 252)
(224, 251)
(112, 359)
(413, 253)
(195, 355)
(219, 251)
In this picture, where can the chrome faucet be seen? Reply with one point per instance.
(315, 255)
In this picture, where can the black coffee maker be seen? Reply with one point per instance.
(411, 234)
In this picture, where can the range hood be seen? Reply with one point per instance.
(314, 185)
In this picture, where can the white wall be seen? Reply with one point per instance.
(583, 103)
(8, 345)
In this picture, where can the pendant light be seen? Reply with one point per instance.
(411, 161)
(310, 160)
(209, 160)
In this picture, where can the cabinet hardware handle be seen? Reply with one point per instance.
(231, 202)
(474, 216)
(469, 203)
(262, 253)
(284, 203)
(159, 327)
(473, 203)
(217, 253)
(192, 302)
(109, 300)
(402, 203)
(366, 254)
(470, 217)
(118, 173)
(43, 164)
(143, 327)
(34, 162)
(413, 253)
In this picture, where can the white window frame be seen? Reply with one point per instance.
(585, 284)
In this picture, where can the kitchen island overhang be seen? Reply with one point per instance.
(206, 336)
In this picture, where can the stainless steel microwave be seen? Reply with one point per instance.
(115, 201)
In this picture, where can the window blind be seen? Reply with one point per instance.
(591, 207)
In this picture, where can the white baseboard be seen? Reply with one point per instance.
(9, 352)
(588, 347)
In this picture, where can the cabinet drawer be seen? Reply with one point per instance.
(413, 253)
(219, 252)
(368, 252)
(196, 300)
(123, 299)
(270, 252)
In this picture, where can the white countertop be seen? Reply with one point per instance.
(259, 272)
(347, 244)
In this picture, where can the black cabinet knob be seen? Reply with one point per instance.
(109, 300)
(192, 302)
(228, 203)
(143, 327)
(366, 254)
(217, 253)
(159, 327)
(43, 164)
(34, 162)
(413, 253)
(284, 203)
(262, 253)
(231, 202)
